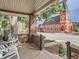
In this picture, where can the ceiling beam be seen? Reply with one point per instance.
(16, 12)
(45, 5)
(23, 13)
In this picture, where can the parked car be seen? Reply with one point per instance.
(76, 30)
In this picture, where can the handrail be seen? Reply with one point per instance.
(38, 40)
(71, 48)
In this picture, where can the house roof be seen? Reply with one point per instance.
(54, 20)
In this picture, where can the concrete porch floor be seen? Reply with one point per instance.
(29, 51)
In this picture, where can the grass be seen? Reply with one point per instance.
(49, 41)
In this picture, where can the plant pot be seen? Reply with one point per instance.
(5, 37)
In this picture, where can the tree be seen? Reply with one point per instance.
(5, 26)
(24, 20)
(0, 20)
(54, 10)
(57, 8)
(45, 16)
(6, 22)
(78, 25)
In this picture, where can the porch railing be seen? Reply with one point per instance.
(72, 51)
(38, 40)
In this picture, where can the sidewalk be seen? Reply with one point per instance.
(75, 33)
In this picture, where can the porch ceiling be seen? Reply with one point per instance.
(22, 6)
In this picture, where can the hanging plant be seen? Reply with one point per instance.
(6, 27)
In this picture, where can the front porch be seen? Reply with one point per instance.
(30, 51)
(28, 44)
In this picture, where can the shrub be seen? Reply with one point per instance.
(62, 50)
(49, 41)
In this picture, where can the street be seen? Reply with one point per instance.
(62, 37)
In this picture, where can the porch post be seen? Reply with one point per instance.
(29, 34)
(31, 17)
(68, 50)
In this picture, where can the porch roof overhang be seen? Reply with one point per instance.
(25, 7)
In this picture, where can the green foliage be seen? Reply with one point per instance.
(49, 41)
(5, 25)
(5, 37)
(0, 24)
(5, 22)
(54, 10)
(62, 49)
(6, 17)
(24, 20)
(45, 16)
(0, 17)
(78, 25)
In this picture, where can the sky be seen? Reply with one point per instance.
(39, 22)
(73, 8)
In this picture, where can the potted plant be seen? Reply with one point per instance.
(6, 27)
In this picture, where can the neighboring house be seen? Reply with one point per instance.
(52, 25)
(36, 23)
(58, 23)
(66, 25)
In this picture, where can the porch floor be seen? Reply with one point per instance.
(29, 51)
